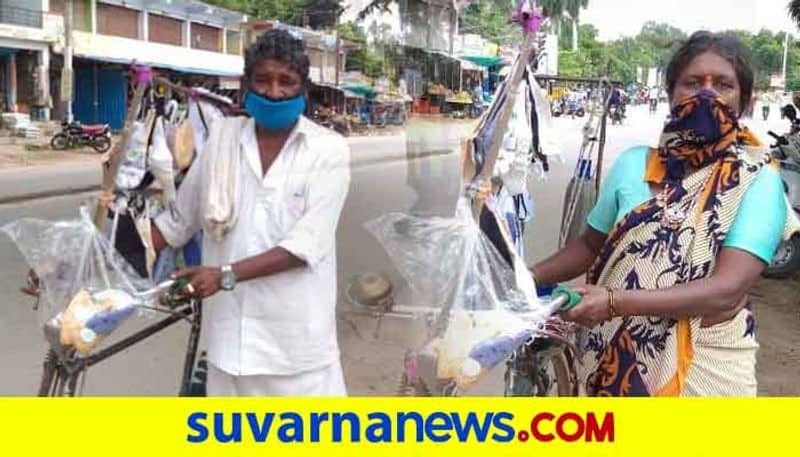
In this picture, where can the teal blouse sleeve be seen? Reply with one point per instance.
(758, 226)
(615, 199)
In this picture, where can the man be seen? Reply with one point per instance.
(477, 99)
(268, 202)
(654, 95)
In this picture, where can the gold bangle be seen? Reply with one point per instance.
(612, 305)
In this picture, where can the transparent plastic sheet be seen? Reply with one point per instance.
(485, 309)
(86, 288)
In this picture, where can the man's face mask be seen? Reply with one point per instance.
(274, 114)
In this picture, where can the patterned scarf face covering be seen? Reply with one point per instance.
(671, 239)
(702, 130)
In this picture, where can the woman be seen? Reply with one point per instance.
(677, 237)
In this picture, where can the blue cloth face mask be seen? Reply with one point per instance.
(274, 115)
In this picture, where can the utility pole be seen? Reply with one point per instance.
(785, 53)
(338, 48)
(67, 78)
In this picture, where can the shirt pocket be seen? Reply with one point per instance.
(267, 214)
(293, 205)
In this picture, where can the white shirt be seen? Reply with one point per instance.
(282, 324)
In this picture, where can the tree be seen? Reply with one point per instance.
(373, 6)
(317, 14)
(490, 19)
(794, 11)
(556, 11)
(323, 14)
(573, 7)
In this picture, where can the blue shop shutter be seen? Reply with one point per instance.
(83, 98)
(113, 98)
(111, 93)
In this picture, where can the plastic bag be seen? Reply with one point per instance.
(134, 165)
(485, 309)
(86, 288)
(161, 161)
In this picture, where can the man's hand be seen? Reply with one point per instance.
(593, 308)
(203, 281)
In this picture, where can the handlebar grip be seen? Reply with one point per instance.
(573, 299)
(178, 285)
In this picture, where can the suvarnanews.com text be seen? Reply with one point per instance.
(398, 427)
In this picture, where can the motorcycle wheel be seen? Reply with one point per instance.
(786, 260)
(580, 112)
(59, 142)
(101, 144)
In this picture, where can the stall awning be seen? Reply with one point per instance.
(124, 51)
(485, 61)
(351, 94)
(362, 90)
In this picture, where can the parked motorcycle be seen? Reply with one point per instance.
(568, 108)
(787, 151)
(576, 108)
(74, 134)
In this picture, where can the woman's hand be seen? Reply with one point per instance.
(593, 308)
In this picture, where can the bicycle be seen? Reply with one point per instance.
(545, 365)
(64, 370)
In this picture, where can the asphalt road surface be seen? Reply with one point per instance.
(415, 172)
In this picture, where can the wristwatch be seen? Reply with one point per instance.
(228, 279)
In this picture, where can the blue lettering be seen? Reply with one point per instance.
(195, 423)
(505, 427)
(402, 418)
(383, 425)
(293, 423)
(236, 428)
(446, 425)
(355, 427)
(260, 431)
(472, 425)
(316, 423)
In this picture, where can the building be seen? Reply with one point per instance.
(185, 39)
(26, 35)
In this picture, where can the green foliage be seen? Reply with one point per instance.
(318, 14)
(654, 46)
(490, 19)
(373, 59)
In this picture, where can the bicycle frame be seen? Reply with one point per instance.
(62, 372)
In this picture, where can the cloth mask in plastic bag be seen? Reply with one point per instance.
(451, 265)
(161, 161)
(134, 165)
(72, 258)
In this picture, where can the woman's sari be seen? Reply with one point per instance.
(672, 239)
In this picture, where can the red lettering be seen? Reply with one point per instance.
(572, 427)
(598, 432)
(561, 429)
(535, 427)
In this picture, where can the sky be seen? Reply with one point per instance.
(616, 18)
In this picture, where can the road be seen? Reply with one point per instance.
(418, 173)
